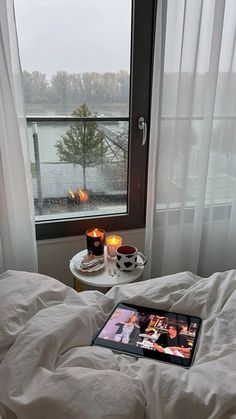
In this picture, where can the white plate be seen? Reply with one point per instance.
(77, 265)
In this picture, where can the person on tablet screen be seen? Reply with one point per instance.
(128, 331)
(172, 340)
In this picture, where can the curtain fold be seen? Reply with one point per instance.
(190, 211)
(157, 87)
(17, 233)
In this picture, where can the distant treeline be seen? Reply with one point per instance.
(64, 87)
(178, 90)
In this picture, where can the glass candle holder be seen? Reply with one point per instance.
(113, 242)
(95, 241)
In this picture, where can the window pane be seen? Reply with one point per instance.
(77, 51)
(91, 181)
(76, 61)
(187, 138)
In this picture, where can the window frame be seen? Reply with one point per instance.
(141, 66)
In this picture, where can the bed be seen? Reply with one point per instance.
(49, 370)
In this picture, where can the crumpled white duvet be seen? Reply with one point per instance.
(48, 370)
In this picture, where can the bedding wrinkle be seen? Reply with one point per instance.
(202, 297)
(88, 357)
(148, 298)
(50, 371)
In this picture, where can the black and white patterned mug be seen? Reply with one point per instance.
(127, 258)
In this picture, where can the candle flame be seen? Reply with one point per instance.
(95, 232)
(83, 195)
(71, 194)
(114, 240)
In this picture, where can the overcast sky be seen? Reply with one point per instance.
(74, 35)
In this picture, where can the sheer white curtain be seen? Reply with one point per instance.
(17, 236)
(191, 215)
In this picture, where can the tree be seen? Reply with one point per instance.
(27, 86)
(224, 144)
(60, 87)
(82, 144)
(35, 86)
(39, 87)
(123, 85)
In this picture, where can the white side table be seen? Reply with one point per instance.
(101, 278)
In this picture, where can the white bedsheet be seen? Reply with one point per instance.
(48, 369)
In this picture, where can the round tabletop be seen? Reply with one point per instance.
(108, 276)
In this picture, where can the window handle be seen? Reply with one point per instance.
(143, 126)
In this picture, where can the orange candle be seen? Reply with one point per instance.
(83, 196)
(113, 242)
(95, 241)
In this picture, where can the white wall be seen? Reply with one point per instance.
(54, 255)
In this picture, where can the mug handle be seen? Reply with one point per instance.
(143, 258)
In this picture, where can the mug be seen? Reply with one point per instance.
(127, 258)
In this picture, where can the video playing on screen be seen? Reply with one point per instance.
(167, 333)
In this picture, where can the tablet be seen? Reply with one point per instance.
(152, 333)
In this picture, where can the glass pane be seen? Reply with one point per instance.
(177, 174)
(77, 52)
(79, 178)
(76, 62)
(192, 149)
(179, 169)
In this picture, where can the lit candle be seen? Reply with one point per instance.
(113, 242)
(95, 241)
(83, 196)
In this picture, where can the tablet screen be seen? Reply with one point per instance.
(147, 332)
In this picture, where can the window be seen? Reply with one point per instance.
(86, 76)
(186, 126)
